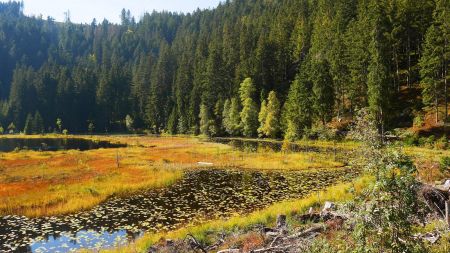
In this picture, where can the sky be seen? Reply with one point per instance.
(83, 11)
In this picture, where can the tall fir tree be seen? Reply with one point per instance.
(272, 125)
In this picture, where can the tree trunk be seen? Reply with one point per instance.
(445, 83)
(436, 104)
(408, 50)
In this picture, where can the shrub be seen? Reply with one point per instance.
(441, 143)
(411, 140)
(445, 164)
(418, 121)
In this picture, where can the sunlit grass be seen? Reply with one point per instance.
(37, 184)
(53, 183)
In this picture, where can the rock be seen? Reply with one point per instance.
(328, 206)
(266, 230)
(446, 185)
(272, 234)
(281, 221)
(169, 242)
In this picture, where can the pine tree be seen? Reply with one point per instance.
(323, 99)
(205, 120)
(262, 119)
(434, 61)
(232, 124)
(38, 123)
(379, 77)
(272, 125)
(297, 111)
(28, 129)
(249, 113)
(226, 115)
(11, 128)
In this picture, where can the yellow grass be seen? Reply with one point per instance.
(54, 183)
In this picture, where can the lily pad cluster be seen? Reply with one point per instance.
(201, 195)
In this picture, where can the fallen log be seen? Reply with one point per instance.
(306, 233)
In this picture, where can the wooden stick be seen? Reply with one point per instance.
(447, 212)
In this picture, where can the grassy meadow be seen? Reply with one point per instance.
(37, 184)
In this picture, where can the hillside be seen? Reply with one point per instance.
(212, 71)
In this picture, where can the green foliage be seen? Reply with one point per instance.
(129, 123)
(249, 118)
(385, 221)
(65, 132)
(323, 91)
(434, 60)
(11, 128)
(324, 59)
(28, 129)
(247, 89)
(205, 120)
(442, 143)
(91, 127)
(411, 140)
(262, 116)
(445, 164)
(297, 111)
(249, 113)
(232, 117)
(272, 126)
(387, 209)
(2, 130)
(59, 124)
(38, 123)
(418, 121)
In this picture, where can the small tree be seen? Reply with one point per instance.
(232, 122)
(249, 117)
(28, 128)
(204, 120)
(91, 127)
(262, 118)
(272, 126)
(249, 113)
(38, 123)
(59, 124)
(11, 128)
(1, 130)
(129, 123)
(386, 212)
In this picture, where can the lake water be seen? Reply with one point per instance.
(53, 144)
(201, 195)
(252, 145)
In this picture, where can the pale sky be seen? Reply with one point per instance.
(83, 11)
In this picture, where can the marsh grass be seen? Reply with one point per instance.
(53, 183)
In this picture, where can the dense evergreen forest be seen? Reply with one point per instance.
(268, 68)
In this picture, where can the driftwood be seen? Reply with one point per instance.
(194, 244)
(310, 232)
(435, 199)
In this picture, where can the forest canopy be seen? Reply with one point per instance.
(246, 68)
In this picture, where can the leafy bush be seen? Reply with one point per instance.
(441, 143)
(418, 121)
(445, 164)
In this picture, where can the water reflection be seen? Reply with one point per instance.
(199, 196)
(53, 144)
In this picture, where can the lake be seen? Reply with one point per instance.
(201, 195)
(53, 144)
